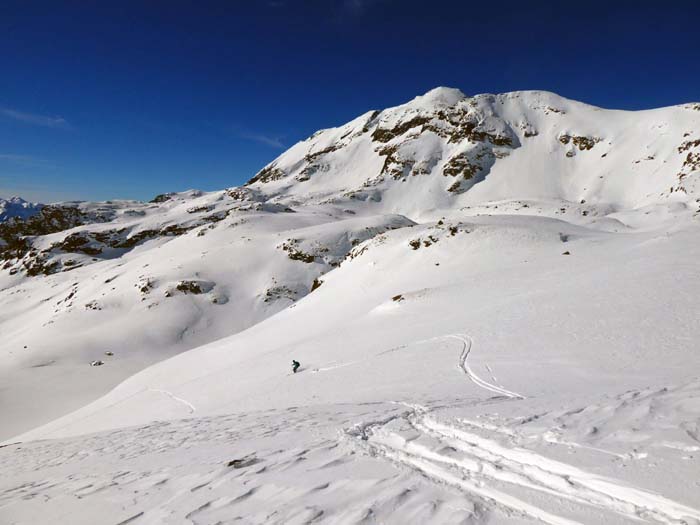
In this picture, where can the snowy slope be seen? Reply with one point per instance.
(150, 281)
(493, 298)
(446, 150)
(79, 276)
(508, 384)
(17, 207)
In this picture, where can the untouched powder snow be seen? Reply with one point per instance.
(520, 349)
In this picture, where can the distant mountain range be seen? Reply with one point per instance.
(17, 207)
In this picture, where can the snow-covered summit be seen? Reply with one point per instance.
(17, 207)
(437, 97)
(444, 150)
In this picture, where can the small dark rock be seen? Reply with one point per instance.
(243, 462)
(162, 198)
(189, 287)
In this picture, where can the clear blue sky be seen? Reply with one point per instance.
(103, 100)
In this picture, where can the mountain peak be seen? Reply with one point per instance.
(444, 149)
(16, 206)
(439, 96)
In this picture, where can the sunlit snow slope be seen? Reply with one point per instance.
(493, 298)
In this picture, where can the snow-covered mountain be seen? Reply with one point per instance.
(493, 298)
(17, 207)
(447, 150)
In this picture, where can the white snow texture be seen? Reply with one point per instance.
(494, 300)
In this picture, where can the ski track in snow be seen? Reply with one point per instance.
(464, 366)
(333, 367)
(484, 461)
(491, 373)
(273, 467)
(172, 396)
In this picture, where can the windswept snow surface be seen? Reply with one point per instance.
(520, 349)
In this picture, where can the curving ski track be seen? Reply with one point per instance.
(464, 366)
(172, 396)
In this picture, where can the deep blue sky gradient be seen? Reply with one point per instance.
(103, 100)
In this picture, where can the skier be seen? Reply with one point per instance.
(295, 366)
